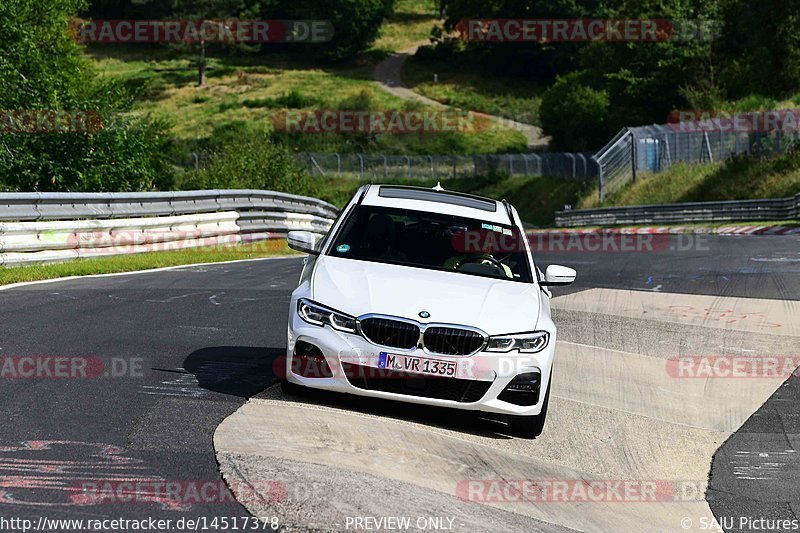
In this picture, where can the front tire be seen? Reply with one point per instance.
(530, 427)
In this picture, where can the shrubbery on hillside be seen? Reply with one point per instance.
(43, 72)
(743, 50)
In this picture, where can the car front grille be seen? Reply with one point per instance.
(452, 341)
(440, 388)
(445, 340)
(392, 333)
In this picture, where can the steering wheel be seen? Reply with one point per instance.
(481, 259)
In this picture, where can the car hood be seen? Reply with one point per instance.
(359, 287)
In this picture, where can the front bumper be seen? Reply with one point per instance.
(492, 372)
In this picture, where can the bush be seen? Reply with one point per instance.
(294, 99)
(575, 115)
(125, 156)
(249, 160)
(42, 68)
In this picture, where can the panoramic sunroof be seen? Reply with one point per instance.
(437, 196)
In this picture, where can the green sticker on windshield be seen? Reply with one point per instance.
(343, 248)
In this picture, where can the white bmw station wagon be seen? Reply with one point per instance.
(429, 297)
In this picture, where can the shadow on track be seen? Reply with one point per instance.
(241, 371)
(246, 371)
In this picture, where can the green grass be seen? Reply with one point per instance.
(144, 261)
(254, 90)
(167, 87)
(411, 24)
(737, 179)
(537, 199)
(467, 87)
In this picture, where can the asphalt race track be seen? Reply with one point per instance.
(180, 351)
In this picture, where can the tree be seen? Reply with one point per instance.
(199, 11)
(42, 71)
(575, 115)
(759, 48)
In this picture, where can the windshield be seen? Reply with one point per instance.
(433, 241)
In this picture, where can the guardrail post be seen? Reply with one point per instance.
(585, 166)
(707, 146)
(633, 157)
(572, 158)
(599, 180)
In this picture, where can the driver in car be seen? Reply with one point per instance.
(481, 254)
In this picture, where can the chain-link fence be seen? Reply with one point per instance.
(372, 166)
(655, 148)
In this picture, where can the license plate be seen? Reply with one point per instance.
(417, 365)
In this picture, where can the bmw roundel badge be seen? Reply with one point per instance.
(424, 314)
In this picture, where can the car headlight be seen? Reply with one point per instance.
(319, 315)
(524, 342)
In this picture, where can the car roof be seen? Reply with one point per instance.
(437, 201)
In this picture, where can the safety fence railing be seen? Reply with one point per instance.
(443, 167)
(655, 148)
(728, 211)
(51, 227)
(633, 151)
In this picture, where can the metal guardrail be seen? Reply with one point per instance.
(65, 206)
(50, 227)
(727, 211)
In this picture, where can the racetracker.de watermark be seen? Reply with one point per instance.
(355, 364)
(733, 366)
(176, 494)
(113, 242)
(526, 491)
(586, 30)
(395, 121)
(206, 31)
(69, 367)
(692, 121)
(50, 121)
(496, 240)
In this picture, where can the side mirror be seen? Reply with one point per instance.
(558, 275)
(303, 241)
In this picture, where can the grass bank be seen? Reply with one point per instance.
(410, 24)
(466, 86)
(144, 261)
(253, 91)
(740, 178)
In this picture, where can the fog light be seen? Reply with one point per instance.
(309, 362)
(523, 389)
